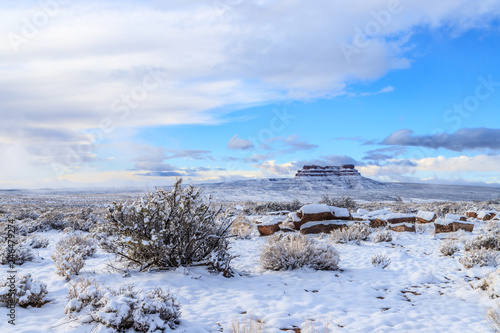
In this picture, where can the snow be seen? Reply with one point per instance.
(443, 221)
(339, 212)
(482, 214)
(315, 209)
(420, 291)
(453, 217)
(428, 216)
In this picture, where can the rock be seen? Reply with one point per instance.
(397, 218)
(402, 227)
(319, 212)
(376, 222)
(426, 217)
(268, 229)
(317, 227)
(486, 215)
(463, 226)
(441, 228)
(316, 171)
(471, 214)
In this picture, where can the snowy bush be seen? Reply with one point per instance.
(68, 263)
(291, 251)
(479, 257)
(252, 208)
(26, 292)
(83, 220)
(242, 227)
(170, 229)
(49, 220)
(381, 260)
(483, 241)
(343, 202)
(79, 244)
(17, 254)
(37, 242)
(493, 315)
(355, 233)
(122, 309)
(489, 284)
(247, 324)
(381, 236)
(449, 247)
(71, 253)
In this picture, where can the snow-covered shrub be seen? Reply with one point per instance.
(26, 292)
(68, 263)
(49, 220)
(291, 251)
(84, 220)
(122, 309)
(493, 315)
(381, 236)
(381, 260)
(37, 242)
(80, 244)
(343, 202)
(355, 233)
(483, 241)
(479, 257)
(252, 208)
(449, 247)
(168, 229)
(70, 254)
(17, 254)
(242, 227)
(247, 324)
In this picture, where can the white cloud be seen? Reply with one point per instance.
(238, 143)
(135, 65)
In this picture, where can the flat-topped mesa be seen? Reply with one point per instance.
(327, 171)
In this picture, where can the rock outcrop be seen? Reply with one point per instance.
(327, 171)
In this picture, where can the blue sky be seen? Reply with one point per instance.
(138, 93)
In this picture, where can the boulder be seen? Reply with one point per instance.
(268, 229)
(463, 226)
(319, 212)
(426, 217)
(376, 222)
(317, 227)
(397, 218)
(441, 228)
(486, 215)
(471, 214)
(402, 227)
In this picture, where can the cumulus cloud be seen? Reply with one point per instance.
(238, 143)
(463, 139)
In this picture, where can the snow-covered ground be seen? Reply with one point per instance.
(420, 291)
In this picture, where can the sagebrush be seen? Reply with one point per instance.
(170, 229)
(291, 251)
(352, 234)
(122, 309)
(27, 292)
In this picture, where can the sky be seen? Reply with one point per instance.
(138, 93)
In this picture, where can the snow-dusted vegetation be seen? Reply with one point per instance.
(176, 260)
